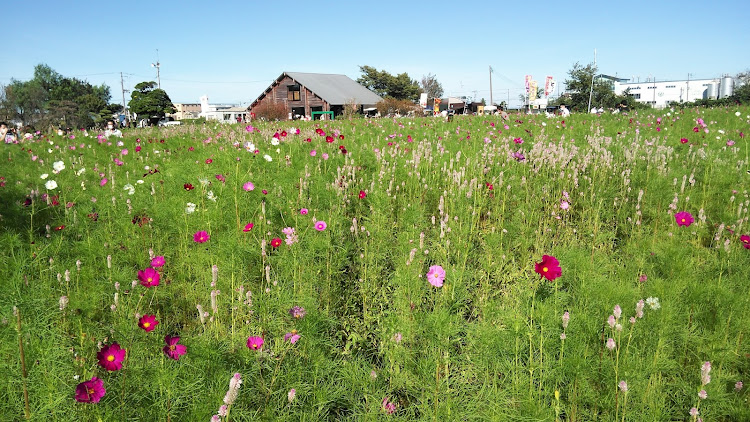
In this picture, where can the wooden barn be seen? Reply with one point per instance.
(305, 93)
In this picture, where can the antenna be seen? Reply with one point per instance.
(157, 65)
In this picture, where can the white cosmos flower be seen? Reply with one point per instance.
(274, 141)
(210, 195)
(139, 181)
(653, 303)
(80, 171)
(130, 188)
(44, 176)
(204, 181)
(738, 114)
(268, 158)
(190, 208)
(50, 185)
(58, 166)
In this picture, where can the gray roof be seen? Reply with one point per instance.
(333, 89)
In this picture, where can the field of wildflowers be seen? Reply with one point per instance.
(592, 268)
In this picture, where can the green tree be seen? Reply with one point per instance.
(400, 87)
(150, 102)
(50, 99)
(579, 88)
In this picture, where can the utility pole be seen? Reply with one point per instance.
(122, 86)
(491, 103)
(157, 65)
(687, 96)
(593, 76)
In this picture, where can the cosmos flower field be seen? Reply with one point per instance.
(577, 269)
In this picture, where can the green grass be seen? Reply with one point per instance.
(485, 346)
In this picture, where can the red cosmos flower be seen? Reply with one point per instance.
(90, 391)
(320, 132)
(191, 149)
(308, 140)
(283, 134)
(201, 237)
(149, 277)
(188, 187)
(209, 161)
(696, 130)
(341, 147)
(683, 218)
(58, 228)
(341, 137)
(329, 139)
(264, 191)
(255, 343)
(148, 322)
(138, 148)
(745, 239)
(362, 194)
(344, 151)
(111, 357)
(549, 268)
(172, 349)
(684, 140)
(276, 242)
(489, 186)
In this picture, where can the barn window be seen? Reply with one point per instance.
(293, 93)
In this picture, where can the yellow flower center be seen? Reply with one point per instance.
(683, 220)
(111, 358)
(545, 269)
(294, 332)
(151, 279)
(91, 391)
(171, 347)
(146, 324)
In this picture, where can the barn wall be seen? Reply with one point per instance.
(279, 93)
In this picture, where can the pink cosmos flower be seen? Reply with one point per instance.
(387, 406)
(111, 357)
(201, 237)
(248, 186)
(221, 178)
(325, 156)
(684, 218)
(320, 226)
(172, 349)
(313, 153)
(303, 211)
(549, 268)
(436, 275)
(292, 336)
(103, 182)
(148, 322)
(255, 343)
(90, 391)
(158, 261)
(149, 277)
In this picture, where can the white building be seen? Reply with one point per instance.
(222, 113)
(660, 93)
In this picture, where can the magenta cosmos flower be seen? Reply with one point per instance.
(745, 239)
(549, 268)
(248, 227)
(111, 357)
(148, 322)
(292, 336)
(201, 237)
(436, 275)
(158, 261)
(149, 277)
(248, 186)
(90, 391)
(172, 349)
(684, 218)
(255, 343)
(320, 226)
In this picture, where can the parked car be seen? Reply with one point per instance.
(169, 121)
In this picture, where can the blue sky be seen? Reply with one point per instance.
(231, 51)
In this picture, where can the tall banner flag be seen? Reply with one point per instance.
(548, 86)
(552, 85)
(423, 100)
(528, 82)
(532, 91)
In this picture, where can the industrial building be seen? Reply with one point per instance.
(660, 93)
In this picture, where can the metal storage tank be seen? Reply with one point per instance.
(712, 90)
(725, 89)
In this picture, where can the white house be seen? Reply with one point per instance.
(660, 93)
(222, 113)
